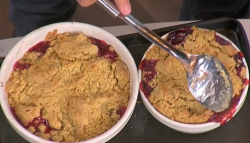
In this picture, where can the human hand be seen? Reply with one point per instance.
(123, 5)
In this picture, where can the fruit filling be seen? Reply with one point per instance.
(221, 40)
(80, 84)
(166, 87)
(20, 66)
(40, 47)
(104, 49)
(178, 36)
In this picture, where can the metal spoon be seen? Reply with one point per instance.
(208, 79)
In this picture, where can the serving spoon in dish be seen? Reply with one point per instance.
(208, 79)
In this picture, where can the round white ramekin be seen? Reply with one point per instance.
(38, 35)
(191, 128)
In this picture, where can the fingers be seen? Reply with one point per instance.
(124, 6)
(86, 3)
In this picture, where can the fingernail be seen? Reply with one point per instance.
(127, 8)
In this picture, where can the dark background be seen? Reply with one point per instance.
(145, 10)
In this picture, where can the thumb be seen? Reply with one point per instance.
(124, 6)
(86, 3)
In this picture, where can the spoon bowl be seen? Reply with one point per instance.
(209, 82)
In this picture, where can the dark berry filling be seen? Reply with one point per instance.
(149, 67)
(38, 121)
(121, 111)
(149, 76)
(178, 36)
(221, 41)
(40, 47)
(246, 81)
(238, 58)
(223, 116)
(15, 116)
(145, 88)
(104, 49)
(35, 123)
(21, 66)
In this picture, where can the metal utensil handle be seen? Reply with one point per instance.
(109, 6)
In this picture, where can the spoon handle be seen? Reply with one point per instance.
(110, 7)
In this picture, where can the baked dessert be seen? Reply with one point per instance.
(69, 88)
(164, 80)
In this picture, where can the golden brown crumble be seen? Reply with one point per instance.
(170, 95)
(70, 86)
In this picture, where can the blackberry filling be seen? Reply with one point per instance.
(40, 47)
(178, 37)
(104, 49)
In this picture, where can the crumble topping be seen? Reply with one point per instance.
(168, 90)
(67, 92)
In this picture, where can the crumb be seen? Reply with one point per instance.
(170, 95)
(74, 91)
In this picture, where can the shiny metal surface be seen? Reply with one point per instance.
(109, 6)
(210, 83)
(208, 79)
